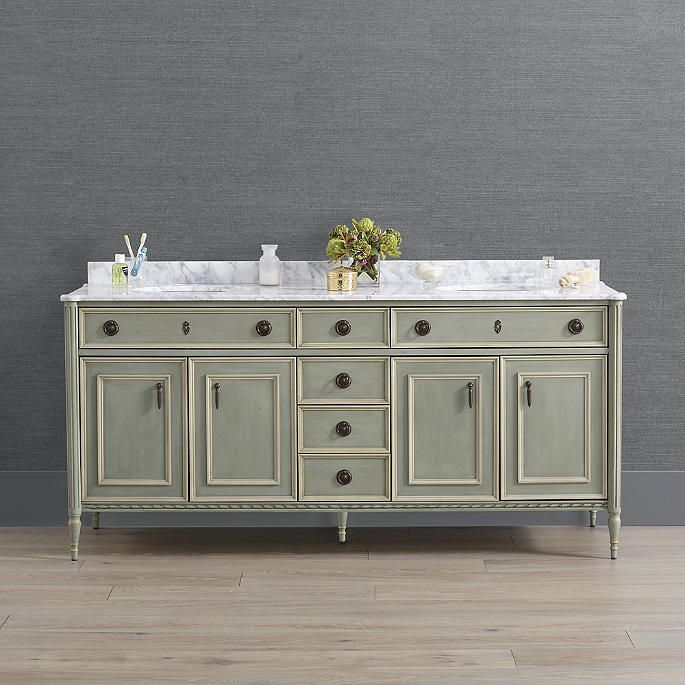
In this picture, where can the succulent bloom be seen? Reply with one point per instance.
(390, 242)
(336, 249)
(365, 225)
(340, 231)
(359, 249)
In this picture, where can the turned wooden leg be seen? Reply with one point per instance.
(593, 518)
(342, 526)
(614, 529)
(96, 520)
(74, 533)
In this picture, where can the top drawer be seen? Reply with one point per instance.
(500, 327)
(187, 328)
(338, 327)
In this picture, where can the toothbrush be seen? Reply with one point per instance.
(143, 238)
(130, 249)
(140, 260)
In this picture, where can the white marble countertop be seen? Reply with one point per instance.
(462, 281)
(291, 293)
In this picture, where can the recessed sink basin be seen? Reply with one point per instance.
(190, 288)
(486, 286)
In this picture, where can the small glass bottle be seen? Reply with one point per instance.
(269, 266)
(119, 271)
(548, 274)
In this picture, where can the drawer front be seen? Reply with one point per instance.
(333, 380)
(351, 478)
(337, 327)
(338, 430)
(500, 327)
(187, 328)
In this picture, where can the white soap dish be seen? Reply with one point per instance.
(429, 273)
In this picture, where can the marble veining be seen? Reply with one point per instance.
(304, 273)
(462, 280)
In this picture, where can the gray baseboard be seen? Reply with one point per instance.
(38, 498)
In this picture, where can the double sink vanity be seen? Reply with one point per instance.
(199, 390)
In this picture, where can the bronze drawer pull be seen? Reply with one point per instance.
(343, 380)
(498, 326)
(263, 327)
(110, 327)
(575, 326)
(422, 327)
(343, 327)
(344, 477)
(469, 385)
(529, 392)
(343, 429)
(186, 328)
(217, 388)
(160, 390)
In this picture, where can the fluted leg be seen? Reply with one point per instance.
(614, 529)
(342, 526)
(593, 518)
(74, 534)
(96, 520)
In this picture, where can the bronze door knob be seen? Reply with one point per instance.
(110, 327)
(422, 327)
(575, 326)
(263, 327)
(343, 327)
(343, 380)
(344, 477)
(343, 429)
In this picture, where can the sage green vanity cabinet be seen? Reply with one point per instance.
(554, 427)
(242, 429)
(344, 403)
(133, 429)
(445, 428)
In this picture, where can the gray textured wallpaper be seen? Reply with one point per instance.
(479, 129)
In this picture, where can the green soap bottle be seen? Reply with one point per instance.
(119, 271)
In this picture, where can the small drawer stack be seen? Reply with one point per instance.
(344, 410)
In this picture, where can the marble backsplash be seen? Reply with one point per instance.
(393, 272)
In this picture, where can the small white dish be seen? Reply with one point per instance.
(428, 273)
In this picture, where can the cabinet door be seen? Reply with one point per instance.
(445, 429)
(134, 438)
(554, 427)
(242, 429)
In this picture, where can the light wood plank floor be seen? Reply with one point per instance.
(401, 606)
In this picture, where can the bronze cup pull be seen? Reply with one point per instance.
(343, 380)
(343, 429)
(344, 477)
(343, 327)
(575, 326)
(469, 385)
(263, 327)
(110, 327)
(529, 392)
(160, 391)
(422, 327)
(217, 389)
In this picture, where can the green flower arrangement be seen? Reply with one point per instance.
(365, 244)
